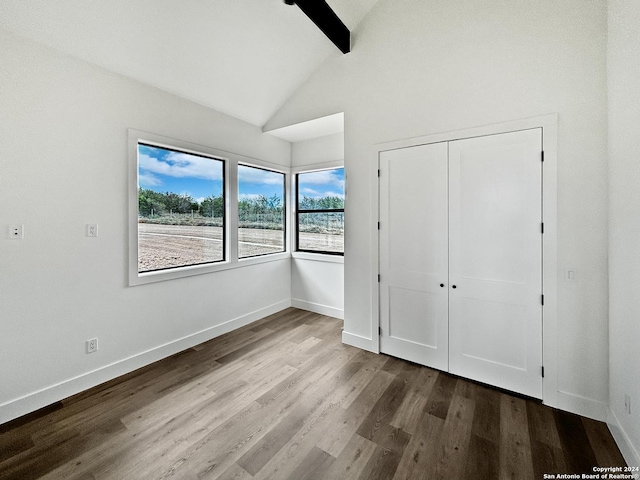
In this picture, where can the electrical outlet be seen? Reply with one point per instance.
(92, 345)
(92, 229)
(627, 403)
(16, 231)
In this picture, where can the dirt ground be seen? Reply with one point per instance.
(166, 246)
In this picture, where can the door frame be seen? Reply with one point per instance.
(549, 126)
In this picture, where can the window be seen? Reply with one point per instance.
(320, 211)
(181, 208)
(194, 209)
(261, 218)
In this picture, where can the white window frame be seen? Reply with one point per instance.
(231, 161)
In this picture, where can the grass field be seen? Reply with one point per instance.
(167, 246)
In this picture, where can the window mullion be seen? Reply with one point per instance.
(232, 211)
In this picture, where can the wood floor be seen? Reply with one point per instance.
(284, 399)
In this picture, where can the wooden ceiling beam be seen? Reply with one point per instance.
(320, 13)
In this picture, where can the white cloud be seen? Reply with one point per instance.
(148, 180)
(256, 175)
(323, 177)
(309, 192)
(180, 165)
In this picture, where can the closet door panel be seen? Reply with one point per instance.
(495, 316)
(413, 254)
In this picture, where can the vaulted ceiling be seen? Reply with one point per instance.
(240, 57)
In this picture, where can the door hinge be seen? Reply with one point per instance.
(543, 371)
(542, 155)
(378, 278)
(378, 173)
(379, 330)
(378, 225)
(542, 227)
(542, 299)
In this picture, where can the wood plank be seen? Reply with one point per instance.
(350, 419)
(233, 439)
(420, 454)
(234, 472)
(408, 415)
(466, 389)
(290, 393)
(486, 421)
(542, 424)
(14, 444)
(257, 457)
(384, 409)
(313, 465)
(352, 459)
(456, 433)
(606, 451)
(440, 398)
(382, 465)
(482, 459)
(515, 448)
(372, 364)
(40, 460)
(326, 395)
(579, 455)
(320, 423)
(546, 459)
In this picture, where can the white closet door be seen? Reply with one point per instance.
(495, 263)
(413, 254)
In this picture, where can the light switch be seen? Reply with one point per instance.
(570, 275)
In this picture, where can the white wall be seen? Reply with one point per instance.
(317, 281)
(319, 151)
(624, 221)
(420, 68)
(63, 163)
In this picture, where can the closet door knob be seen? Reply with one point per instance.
(453, 286)
(442, 285)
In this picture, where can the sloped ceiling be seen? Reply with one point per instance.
(244, 58)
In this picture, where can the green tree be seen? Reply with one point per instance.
(150, 202)
(211, 207)
(323, 203)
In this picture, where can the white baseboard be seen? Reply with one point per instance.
(587, 407)
(318, 308)
(629, 452)
(359, 342)
(54, 393)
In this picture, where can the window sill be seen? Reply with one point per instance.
(318, 257)
(189, 271)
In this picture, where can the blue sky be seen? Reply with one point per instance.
(168, 171)
(254, 181)
(323, 183)
(164, 170)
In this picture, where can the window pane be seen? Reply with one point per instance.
(260, 211)
(321, 190)
(323, 232)
(180, 209)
